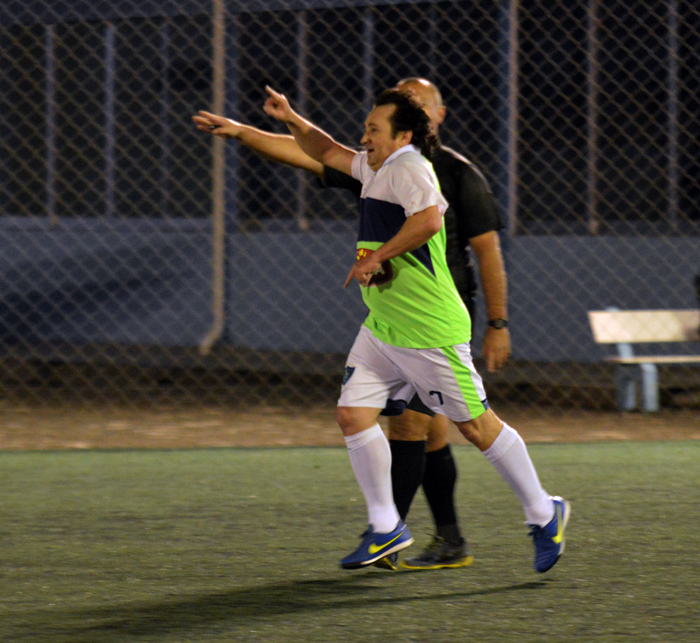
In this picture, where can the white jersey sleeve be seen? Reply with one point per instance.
(360, 169)
(415, 185)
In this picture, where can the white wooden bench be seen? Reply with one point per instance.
(627, 327)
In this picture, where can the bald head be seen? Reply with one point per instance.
(428, 96)
(423, 84)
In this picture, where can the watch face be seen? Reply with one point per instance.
(498, 323)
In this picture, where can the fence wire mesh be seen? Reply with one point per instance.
(131, 275)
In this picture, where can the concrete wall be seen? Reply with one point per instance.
(102, 282)
(131, 282)
(554, 281)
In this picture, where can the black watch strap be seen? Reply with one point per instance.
(498, 323)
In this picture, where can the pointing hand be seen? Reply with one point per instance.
(223, 127)
(277, 105)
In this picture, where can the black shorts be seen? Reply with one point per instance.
(414, 405)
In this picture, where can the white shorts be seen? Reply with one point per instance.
(378, 375)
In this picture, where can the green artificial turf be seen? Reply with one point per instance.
(243, 545)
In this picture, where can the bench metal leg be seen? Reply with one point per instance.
(627, 378)
(626, 387)
(650, 387)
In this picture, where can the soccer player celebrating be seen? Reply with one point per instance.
(471, 220)
(415, 339)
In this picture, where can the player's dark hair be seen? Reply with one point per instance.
(409, 116)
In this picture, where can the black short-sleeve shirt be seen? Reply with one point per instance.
(473, 211)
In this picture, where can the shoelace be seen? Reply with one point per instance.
(535, 531)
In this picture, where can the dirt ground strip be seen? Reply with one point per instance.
(24, 427)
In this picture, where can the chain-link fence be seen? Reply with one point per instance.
(143, 260)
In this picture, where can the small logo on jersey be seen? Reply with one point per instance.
(383, 275)
(349, 370)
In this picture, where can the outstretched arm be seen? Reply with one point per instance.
(276, 147)
(312, 140)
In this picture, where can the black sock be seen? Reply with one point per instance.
(439, 482)
(407, 466)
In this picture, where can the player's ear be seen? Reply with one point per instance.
(442, 112)
(404, 138)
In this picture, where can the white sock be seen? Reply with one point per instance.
(508, 454)
(370, 457)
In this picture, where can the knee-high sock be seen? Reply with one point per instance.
(509, 456)
(439, 482)
(407, 466)
(370, 457)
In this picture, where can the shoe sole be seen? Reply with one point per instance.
(567, 513)
(385, 563)
(464, 562)
(371, 561)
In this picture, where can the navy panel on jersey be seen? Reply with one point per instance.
(381, 220)
(423, 255)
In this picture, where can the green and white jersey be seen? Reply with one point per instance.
(413, 302)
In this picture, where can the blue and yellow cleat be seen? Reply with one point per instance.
(375, 546)
(549, 540)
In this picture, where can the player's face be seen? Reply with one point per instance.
(378, 139)
(424, 94)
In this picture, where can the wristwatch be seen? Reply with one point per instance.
(498, 323)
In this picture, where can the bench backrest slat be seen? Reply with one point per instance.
(634, 326)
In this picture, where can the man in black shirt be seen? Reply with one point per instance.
(420, 449)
